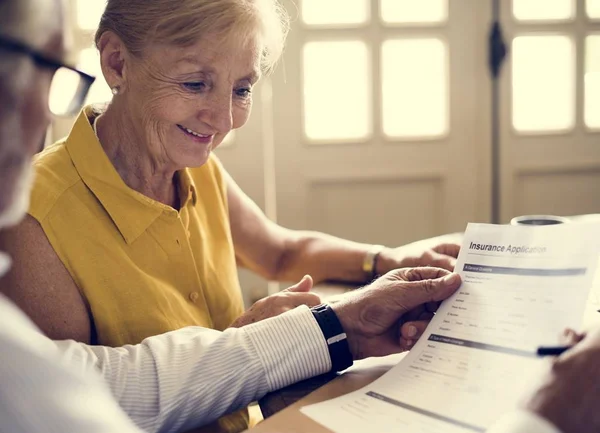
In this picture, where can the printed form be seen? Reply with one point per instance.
(521, 287)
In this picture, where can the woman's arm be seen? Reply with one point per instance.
(282, 254)
(41, 286)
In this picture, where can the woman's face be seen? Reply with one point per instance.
(186, 100)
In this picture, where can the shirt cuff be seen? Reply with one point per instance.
(291, 347)
(522, 421)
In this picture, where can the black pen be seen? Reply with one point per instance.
(552, 350)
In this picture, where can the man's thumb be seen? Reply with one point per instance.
(305, 285)
(421, 292)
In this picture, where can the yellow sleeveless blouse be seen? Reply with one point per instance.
(144, 268)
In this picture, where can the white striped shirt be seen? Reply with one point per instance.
(171, 382)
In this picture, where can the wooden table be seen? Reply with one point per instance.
(291, 420)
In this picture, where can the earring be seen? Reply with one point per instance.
(115, 90)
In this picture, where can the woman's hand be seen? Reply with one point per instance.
(416, 255)
(274, 305)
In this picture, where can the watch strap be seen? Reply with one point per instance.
(337, 342)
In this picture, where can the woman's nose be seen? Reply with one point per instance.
(220, 113)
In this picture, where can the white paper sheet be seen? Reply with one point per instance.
(521, 287)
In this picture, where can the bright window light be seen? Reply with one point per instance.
(543, 83)
(337, 95)
(415, 88)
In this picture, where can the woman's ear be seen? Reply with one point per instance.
(113, 59)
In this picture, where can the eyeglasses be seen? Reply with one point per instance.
(69, 86)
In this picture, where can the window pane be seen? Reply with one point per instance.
(415, 87)
(543, 75)
(89, 13)
(593, 9)
(336, 12)
(414, 12)
(592, 81)
(89, 61)
(543, 10)
(337, 97)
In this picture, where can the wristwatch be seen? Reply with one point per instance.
(337, 343)
(370, 261)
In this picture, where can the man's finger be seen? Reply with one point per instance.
(405, 344)
(588, 341)
(569, 337)
(422, 273)
(412, 294)
(413, 330)
(304, 285)
(449, 249)
(443, 261)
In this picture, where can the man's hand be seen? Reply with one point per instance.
(413, 255)
(373, 316)
(274, 305)
(570, 395)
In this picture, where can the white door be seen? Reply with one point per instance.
(550, 108)
(382, 118)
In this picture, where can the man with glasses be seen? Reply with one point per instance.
(192, 376)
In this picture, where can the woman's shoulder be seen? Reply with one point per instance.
(54, 175)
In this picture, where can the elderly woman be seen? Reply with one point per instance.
(134, 227)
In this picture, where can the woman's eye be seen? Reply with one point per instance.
(243, 93)
(196, 86)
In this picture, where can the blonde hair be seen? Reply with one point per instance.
(183, 22)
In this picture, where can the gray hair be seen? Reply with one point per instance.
(25, 21)
(12, 14)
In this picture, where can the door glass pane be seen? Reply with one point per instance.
(414, 12)
(89, 61)
(543, 83)
(337, 90)
(593, 9)
(335, 12)
(415, 87)
(543, 10)
(89, 13)
(592, 81)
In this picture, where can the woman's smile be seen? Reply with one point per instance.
(196, 136)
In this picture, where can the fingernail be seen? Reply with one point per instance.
(409, 343)
(412, 331)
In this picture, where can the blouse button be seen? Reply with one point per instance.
(194, 296)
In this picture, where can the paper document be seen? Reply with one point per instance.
(521, 287)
